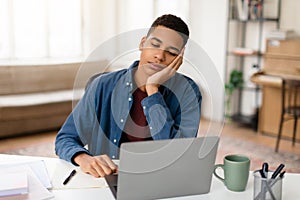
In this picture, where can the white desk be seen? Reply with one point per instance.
(218, 190)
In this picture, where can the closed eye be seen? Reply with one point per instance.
(172, 53)
(155, 45)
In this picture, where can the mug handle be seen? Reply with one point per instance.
(215, 173)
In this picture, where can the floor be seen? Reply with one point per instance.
(248, 134)
(25, 141)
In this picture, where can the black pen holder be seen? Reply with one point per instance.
(267, 188)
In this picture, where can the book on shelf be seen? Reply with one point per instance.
(242, 9)
(255, 9)
(281, 34)
(246, 9)
(13, 184)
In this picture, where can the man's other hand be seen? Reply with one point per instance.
(97, 166)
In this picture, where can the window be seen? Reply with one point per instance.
(55, 29)
(40, 29)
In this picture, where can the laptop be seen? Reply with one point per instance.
(164, 168)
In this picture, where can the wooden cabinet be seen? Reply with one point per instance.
(282, 58)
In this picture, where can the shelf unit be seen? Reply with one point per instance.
(246, 28)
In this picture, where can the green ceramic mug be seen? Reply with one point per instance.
(236, 172)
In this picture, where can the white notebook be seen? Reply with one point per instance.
(13, 184)
(36, 190)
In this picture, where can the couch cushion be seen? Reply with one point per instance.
(40, 98)
(37, 104)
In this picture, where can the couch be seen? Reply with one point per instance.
(37, 98)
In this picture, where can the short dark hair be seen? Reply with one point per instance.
(172, 22)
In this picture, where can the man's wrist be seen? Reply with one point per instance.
(80, 157)
(151, 89)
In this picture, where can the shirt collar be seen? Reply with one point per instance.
(129, 77)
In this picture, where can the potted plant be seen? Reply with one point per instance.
(236, 81)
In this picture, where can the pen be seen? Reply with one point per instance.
(282, 174)
(265, 169)
(69, 177)
(277, 171)
(264, 175)
(277, 179)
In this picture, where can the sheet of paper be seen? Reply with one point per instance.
(80, 180)
(35, 188)
(38, 167)
(40, 170)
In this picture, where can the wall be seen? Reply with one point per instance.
(290, 15)
(208, 28)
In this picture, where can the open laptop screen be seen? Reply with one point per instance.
(165, 168)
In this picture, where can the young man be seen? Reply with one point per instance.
(147, 101)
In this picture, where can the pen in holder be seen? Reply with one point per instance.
(267, 188)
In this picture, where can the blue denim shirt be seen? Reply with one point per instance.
(96, 123)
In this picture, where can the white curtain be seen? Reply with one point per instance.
(73, 28)
(40, 28)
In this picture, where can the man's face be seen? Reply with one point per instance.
(159, 49)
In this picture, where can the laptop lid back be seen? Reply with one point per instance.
(166, 168)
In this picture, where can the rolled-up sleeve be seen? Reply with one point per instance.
(78, 128)
(166, 123)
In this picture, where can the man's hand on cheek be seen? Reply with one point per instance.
(162, 76)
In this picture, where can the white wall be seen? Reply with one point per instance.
(290, 15)
(208, 29)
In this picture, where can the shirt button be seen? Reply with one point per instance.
(122, 120)
(144, 107)
(127, 83)
(129, 99)
(113, 156)
(115, 140)
(150, 127)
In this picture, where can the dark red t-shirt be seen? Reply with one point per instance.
(136, 127)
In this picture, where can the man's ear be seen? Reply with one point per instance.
(142, 42)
